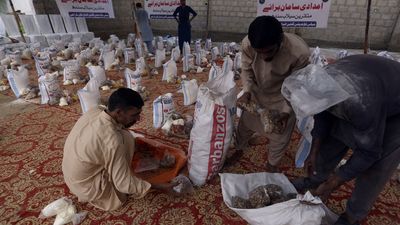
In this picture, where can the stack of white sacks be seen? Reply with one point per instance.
(214, 101)
(67, 61)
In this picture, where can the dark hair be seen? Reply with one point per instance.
(123, 98)
(265, 31)
(139, 5)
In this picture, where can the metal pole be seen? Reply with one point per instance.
(18, 21)
(208, 18)
(366, 45)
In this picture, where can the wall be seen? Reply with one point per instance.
(229, 20)
(346, 23)
(347, 20)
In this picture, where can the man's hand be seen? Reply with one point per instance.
(244, 99)
(310, 165)
(281, 123)
(325, 189)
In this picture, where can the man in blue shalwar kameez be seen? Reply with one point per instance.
(143, 23)
(184, 28)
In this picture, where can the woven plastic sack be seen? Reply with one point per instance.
(19, 81)
(304, 210)
(170, 71)
(163, 107)
(213, 127)
(89, 96)
(50, 89)
(97, 73)
(190, 90)
(133, 79)
(71, 70)
(129, 55)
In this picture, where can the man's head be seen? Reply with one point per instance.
(266, 35)
(125, 106)
(183, 2)
(138, 5)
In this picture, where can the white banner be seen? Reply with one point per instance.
(297, 13)
(86, 8)
(161, 9)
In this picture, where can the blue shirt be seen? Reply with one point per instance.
(143, 24)
(359, 122)
(184, 13)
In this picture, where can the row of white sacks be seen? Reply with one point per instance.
(109, 54)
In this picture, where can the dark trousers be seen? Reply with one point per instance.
(372, 181)
(184, 34)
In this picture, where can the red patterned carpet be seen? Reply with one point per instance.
(31, 145)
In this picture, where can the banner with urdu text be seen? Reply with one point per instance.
(86, 8)
(161, 9)
(296, 13)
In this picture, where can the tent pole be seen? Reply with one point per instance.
(18, 21)
(367, 28)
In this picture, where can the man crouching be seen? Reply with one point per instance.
(98, 154)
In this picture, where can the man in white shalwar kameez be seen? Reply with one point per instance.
(98, 154)
(268, 56)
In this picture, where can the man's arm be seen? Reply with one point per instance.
(247, 75)
(367, 150)
(361, 160)
(301, 62)
(322, 126)
(119, 169)
(176, 13)
(194, 14)
(147, 16)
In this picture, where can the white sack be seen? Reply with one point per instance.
(160, 57)
(19, 81)
(215, 71)
(89, 96)
(42, 64)
(175, 54)
(208, 46)
(170, 71)
(133, 79)
(71, 70)
(291, 212)
(141, 65)
(189, 89)
(129, 55)
(108, 59)
(163, 107)
(213, 128)
(50, 89)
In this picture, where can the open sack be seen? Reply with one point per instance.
(304, 210)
